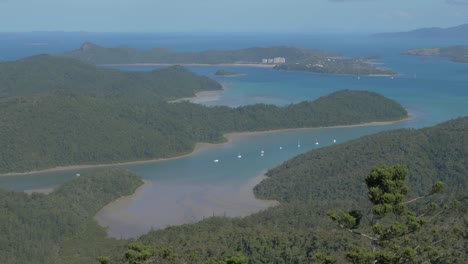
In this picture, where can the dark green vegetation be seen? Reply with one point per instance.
(40, 228)
(454, 53)
(460, 31)
(394, 226)
(225, 73)
(299, 231)
(57, 112)
(296, 59)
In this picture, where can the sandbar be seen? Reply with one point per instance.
(160, 205)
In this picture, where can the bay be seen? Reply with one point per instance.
(189, 188)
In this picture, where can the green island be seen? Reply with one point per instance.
(226, 73)
(453, 53)
(279, 57)
(58, 111)
(58, 228)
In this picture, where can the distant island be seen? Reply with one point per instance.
(284, 58)
(460, 31)
(453, 53)
(227, 73)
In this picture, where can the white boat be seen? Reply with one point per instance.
(334, 141)
(215, 161)
(281, 147)
(239, 156)
(298, 144)
(262, 152)
(316, 142)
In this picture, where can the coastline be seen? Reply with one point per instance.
(201, 146)
(189, 64)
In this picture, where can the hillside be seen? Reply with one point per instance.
(453, 53)
(294, 58)
(331, 178)
(62, 129)
(35, 228)
(43, 74)
(460, 31)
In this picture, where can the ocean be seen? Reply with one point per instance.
(190, 188)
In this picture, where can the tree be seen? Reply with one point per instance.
(393, 226)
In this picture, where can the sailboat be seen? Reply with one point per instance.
(239, 156)
(316, 141)
(298, 143)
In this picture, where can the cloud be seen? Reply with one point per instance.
(457, 2)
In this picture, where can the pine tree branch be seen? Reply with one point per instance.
(415, 199)
(360, 234)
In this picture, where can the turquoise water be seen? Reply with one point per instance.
(432, 89)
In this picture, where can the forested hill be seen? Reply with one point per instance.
(35, 228)
(60, 129)
(295, 59)
(298, 230)
(453, 53)
(337, 172)
(44, 74)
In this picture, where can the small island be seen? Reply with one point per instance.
(453, 53)
(281, 58)
(225, 73)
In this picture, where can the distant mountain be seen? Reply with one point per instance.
(460, 31)
(453, 53)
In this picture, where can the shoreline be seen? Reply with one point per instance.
(201, 146)
(189, 64)
(183, 204)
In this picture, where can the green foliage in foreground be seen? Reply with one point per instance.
(35, 228)
(395, 228)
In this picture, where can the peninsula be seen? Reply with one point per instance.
(285, 58)
(64, 112)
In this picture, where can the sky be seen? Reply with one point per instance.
(256, 16)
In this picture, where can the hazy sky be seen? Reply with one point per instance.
(229, 15)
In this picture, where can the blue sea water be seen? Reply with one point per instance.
(433, 90)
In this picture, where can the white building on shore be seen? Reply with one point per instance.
(277, 60)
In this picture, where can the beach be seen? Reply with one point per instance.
(202, 146)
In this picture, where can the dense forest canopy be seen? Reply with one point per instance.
(58, 112)
(34, 227)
